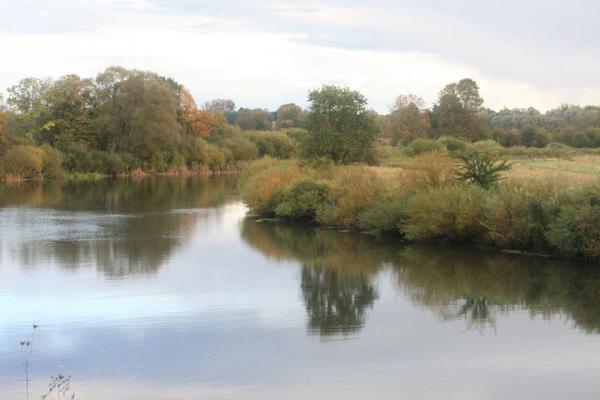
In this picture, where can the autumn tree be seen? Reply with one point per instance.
(289, 116)
(407, 120)
(455, 113)
(340, 127)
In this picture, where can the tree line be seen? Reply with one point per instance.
(123, 121)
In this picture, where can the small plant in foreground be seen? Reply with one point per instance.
(60, 387)
(26, 351)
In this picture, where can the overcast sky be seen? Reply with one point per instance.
(264, 53)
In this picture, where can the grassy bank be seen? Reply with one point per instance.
(423, 201)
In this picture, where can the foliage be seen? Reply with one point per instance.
(455, 113)
(450, 213)
(23, 161)
(576, 230)
(354, 189)
(406, 124)
(339, 126)
(422, 146)
(387, 214)
(435, 168)
(482, 166)
(273, 144)
(289, 116)
(518, 214)
(454, 145)
(303, 198)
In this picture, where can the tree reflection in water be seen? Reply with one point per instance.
(122, 227)
(335, 303)
(452, 282)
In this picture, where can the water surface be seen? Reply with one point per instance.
(161, 288)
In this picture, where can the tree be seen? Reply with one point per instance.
(197, 122)
(289, 116)
(137, 113)
(406, 124)
(534, 137)
(455, 114)
(339, 126)
(257, 119)
(70, 113)
(28, 99)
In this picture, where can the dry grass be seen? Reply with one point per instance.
(578, 169)
(582, 169)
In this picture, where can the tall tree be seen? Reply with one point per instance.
(339, 126)
(137, 113)
(455, 114)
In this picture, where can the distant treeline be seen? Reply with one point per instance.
(129, 121)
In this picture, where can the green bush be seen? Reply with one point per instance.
(241, 149)
(422, 146)
(482, 165)
(449, 213)
(302, 198)
(576, 231)
(273, 144)
(453, 144)
(386, 215)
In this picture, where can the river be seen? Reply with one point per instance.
(163, 288)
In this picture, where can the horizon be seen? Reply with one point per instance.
(268, 53)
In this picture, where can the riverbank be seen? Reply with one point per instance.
(424, 202)
(232, 168)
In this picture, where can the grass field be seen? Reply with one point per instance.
(581, 168)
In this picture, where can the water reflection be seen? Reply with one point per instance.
(121, 227)
(453, 283)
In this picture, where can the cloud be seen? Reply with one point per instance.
(266, 53)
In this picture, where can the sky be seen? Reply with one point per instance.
(264, 53)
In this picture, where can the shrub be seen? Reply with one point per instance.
(422, 146)
(113, 164)
(274, 144)
(23, 162)
(354, 189)
(453, 144)
(52, 163)
(262, 184)
(451, 213)
(429, 169)
(482, 166)
(576, 231)
(240, 148)
(518, 215)
(302, 198)
(385, 215)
